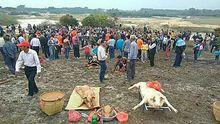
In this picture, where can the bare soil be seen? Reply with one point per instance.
(191, 89)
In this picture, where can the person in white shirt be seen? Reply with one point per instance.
(35, 44)
(102, 57)
(30, 59)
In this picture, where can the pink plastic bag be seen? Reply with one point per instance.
(74, 116)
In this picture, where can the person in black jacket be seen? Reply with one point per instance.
(180, 47)
(152, 51)
(44, 46)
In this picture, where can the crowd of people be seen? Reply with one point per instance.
(99, 44)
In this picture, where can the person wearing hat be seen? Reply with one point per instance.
(30, 59)
(102, 60)
(132, 57)
(9, 50)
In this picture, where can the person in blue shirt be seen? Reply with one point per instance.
(94, 50)
(111, 47)
(180, 46)
(132, 57)
(10, 50)
(119, 46)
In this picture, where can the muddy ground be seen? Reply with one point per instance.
(191, 89)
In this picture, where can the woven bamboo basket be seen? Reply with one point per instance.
(216, 110)
(51, 102)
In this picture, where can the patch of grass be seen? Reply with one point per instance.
(7, 19)
(205, 20)
(193, 29)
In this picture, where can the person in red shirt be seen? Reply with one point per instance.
(87, 49)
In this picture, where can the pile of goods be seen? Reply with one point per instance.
(87, 95)
(107, 113)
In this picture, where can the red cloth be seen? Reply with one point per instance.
(154, 84)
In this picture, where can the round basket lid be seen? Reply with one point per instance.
(216, 105)
(51, 96)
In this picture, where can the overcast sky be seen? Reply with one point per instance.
(120, 4)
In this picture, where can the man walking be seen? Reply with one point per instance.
(32, 66)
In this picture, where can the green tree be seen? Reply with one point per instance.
(98, 21)
(6, 19)
(68, 20)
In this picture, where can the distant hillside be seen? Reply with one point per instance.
(143, 12)
(6, 19)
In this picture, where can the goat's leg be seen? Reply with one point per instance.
(138, 105)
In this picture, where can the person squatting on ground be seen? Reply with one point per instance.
(9, 50)
(30, 59)
(102, 60)
(92, 61)
(121, 64)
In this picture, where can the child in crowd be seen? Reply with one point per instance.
(121, 64)
(87, 50)
(144, 50)
(93, 61)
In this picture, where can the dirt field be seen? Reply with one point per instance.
(191, 89)
(199, 23)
